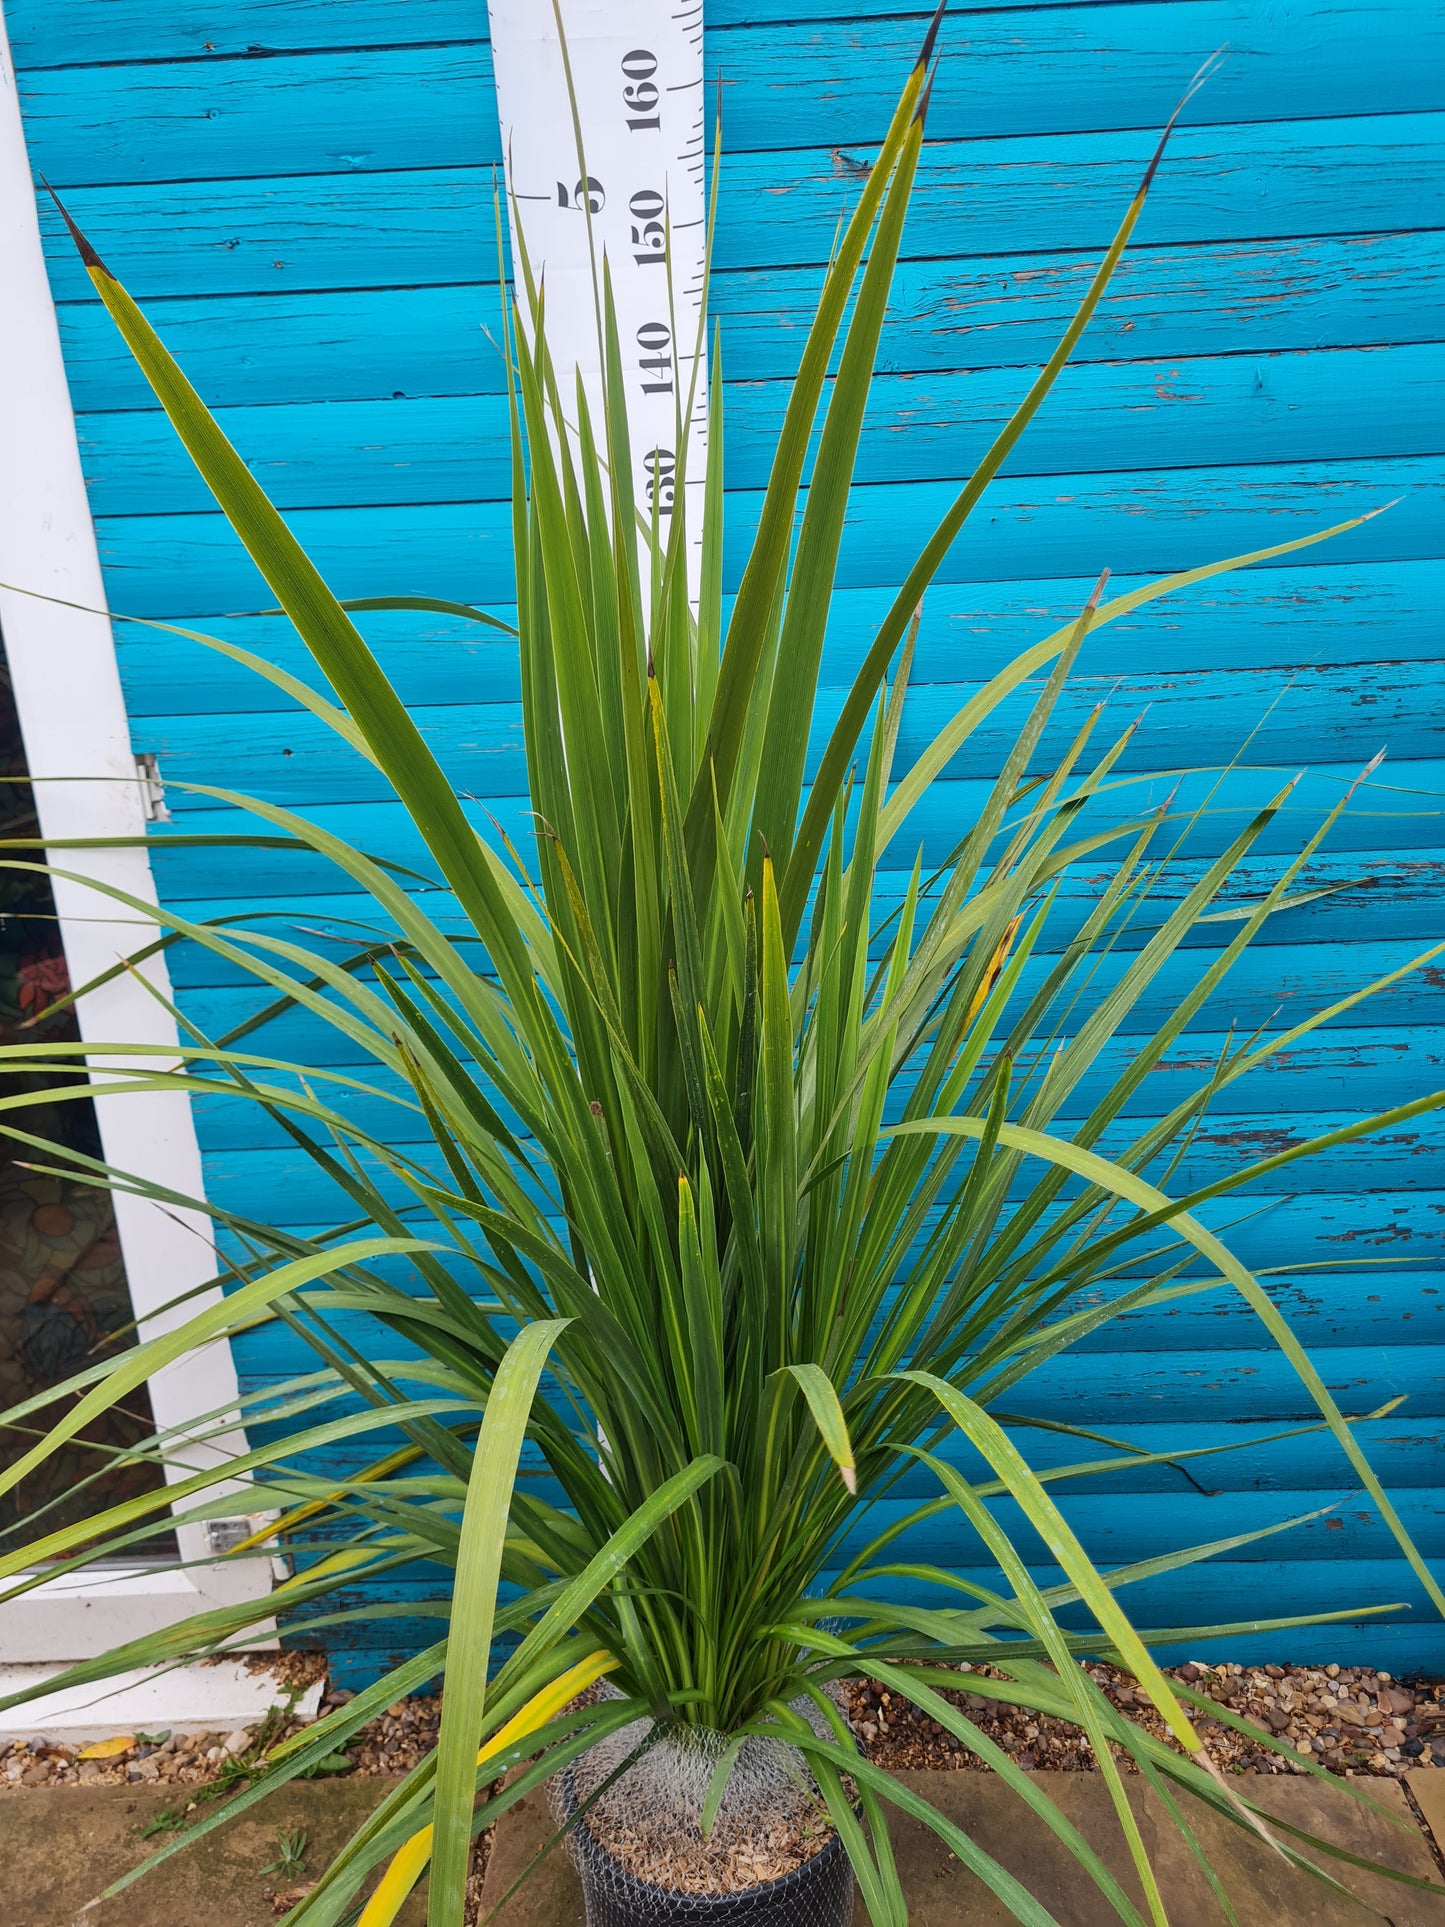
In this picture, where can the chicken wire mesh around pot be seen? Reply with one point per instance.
(772, 1858)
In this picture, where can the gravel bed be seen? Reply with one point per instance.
(1346, 1718)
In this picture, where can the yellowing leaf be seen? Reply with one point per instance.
(107, 1749)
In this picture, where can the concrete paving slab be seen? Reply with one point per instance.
(551, 1894)
(1266, 1892)
(1428, 1790)
(60, 1846)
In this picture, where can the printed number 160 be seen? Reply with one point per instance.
(640, 95)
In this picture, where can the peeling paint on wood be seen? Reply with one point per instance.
(301, 190)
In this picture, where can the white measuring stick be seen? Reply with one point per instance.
(637, 76)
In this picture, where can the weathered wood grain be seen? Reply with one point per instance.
(1179, 720)
(989, 196)
(311, 113)
(43, 34)
(1209, 297)
(1304, 1230)
(984, 197)
(1355, 1224)
(1185, 412)
(1029, 70)
(1320, 1076)
(1405, 1642)
(1401, 808)
(1305, 1463)
(188, 565)
(1108, 1526)
(1402, 1157)
(1350, 897)
(1271, 986)
(1311, 613)
(1032, 72)
(357, 344)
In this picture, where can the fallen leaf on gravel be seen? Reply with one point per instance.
(107, 1749)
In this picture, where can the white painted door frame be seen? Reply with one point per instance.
(78, 746)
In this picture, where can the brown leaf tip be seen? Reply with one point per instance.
(1202, 75)
(934, 24)
(87, 253)
(920, 112)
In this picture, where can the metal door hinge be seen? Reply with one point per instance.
(225, 1535)
(152, 789)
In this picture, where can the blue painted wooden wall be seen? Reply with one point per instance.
(301, 192)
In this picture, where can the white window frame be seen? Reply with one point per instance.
(79, 750)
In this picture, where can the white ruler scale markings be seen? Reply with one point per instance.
(638, 79)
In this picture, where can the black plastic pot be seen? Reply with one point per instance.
(819, 1893)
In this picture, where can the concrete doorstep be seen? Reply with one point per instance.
(60, 1846)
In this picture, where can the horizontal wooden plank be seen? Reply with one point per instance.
(1080, 70)
(1311, 1228)
(1242, 1127)
(1205, 298)
(1302, 406)
(316, 113)
(359, 344)
(1274, 985)
(1403, 814)
(1188, 412)
(1405, 1640)
(190, 565)
(1232, 1385)
(1182, 720)
(310, 232)
(1068, 191)
(1068, 70)
(253, 349)
(1241, 1457)
(47, 33)
(1311, 613)
(1350, 898)
(1390, 1308)
(53, 33)
(1343, 1069)
(1401, 1452)
(1233, 1382)
(1114, 1530)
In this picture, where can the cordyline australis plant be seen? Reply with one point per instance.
(744, 1137)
